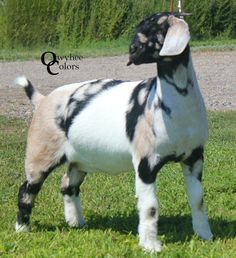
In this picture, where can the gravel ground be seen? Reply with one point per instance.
(216, 72)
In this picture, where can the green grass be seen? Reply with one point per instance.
(214, 45)
(105, 48)
(110, 207)
(85, 49)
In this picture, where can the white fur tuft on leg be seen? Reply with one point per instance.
(22, 227)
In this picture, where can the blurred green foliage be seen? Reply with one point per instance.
(66, 23)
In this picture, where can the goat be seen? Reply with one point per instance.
(116, 126)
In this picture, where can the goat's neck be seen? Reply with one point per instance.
(178, 73)
(177, 85)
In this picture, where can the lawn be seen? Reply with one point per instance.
(110, 208)
(105, 48)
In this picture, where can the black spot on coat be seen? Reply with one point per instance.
(197, 154)
(166, 69)
(79, 105)
(147, 174)
(164, 107)
(153, 212)
(71, 190)
(137, 109)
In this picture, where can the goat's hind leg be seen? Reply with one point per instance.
(192, 169)
(35, 177)
(26, 196)
(70, 189)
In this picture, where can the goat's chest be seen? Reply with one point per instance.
(180, 123)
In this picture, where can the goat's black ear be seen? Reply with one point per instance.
(177, 37)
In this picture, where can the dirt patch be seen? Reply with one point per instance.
(216, 72)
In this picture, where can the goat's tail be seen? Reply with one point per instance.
(31, 92)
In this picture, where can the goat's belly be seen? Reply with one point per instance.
(100, 151)
(100, 160)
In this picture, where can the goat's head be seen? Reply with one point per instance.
(159, 35)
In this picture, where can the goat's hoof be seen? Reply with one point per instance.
(151, 246)
(204, 233)
(76, 223)
(22, 227)
(207, 235)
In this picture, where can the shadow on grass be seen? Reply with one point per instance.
(38, 226)
(174, 228)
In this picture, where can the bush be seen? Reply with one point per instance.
(28, 23)
(212, 18)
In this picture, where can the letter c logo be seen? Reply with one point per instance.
(50, 63)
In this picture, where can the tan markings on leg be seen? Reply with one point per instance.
(28, 198)
(65, 181)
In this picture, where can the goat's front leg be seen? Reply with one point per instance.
(192, 169)
(147, 206)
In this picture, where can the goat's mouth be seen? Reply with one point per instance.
(133, 59)
(129, 62)
(142, 56)
(133, 53)
(130, 59)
